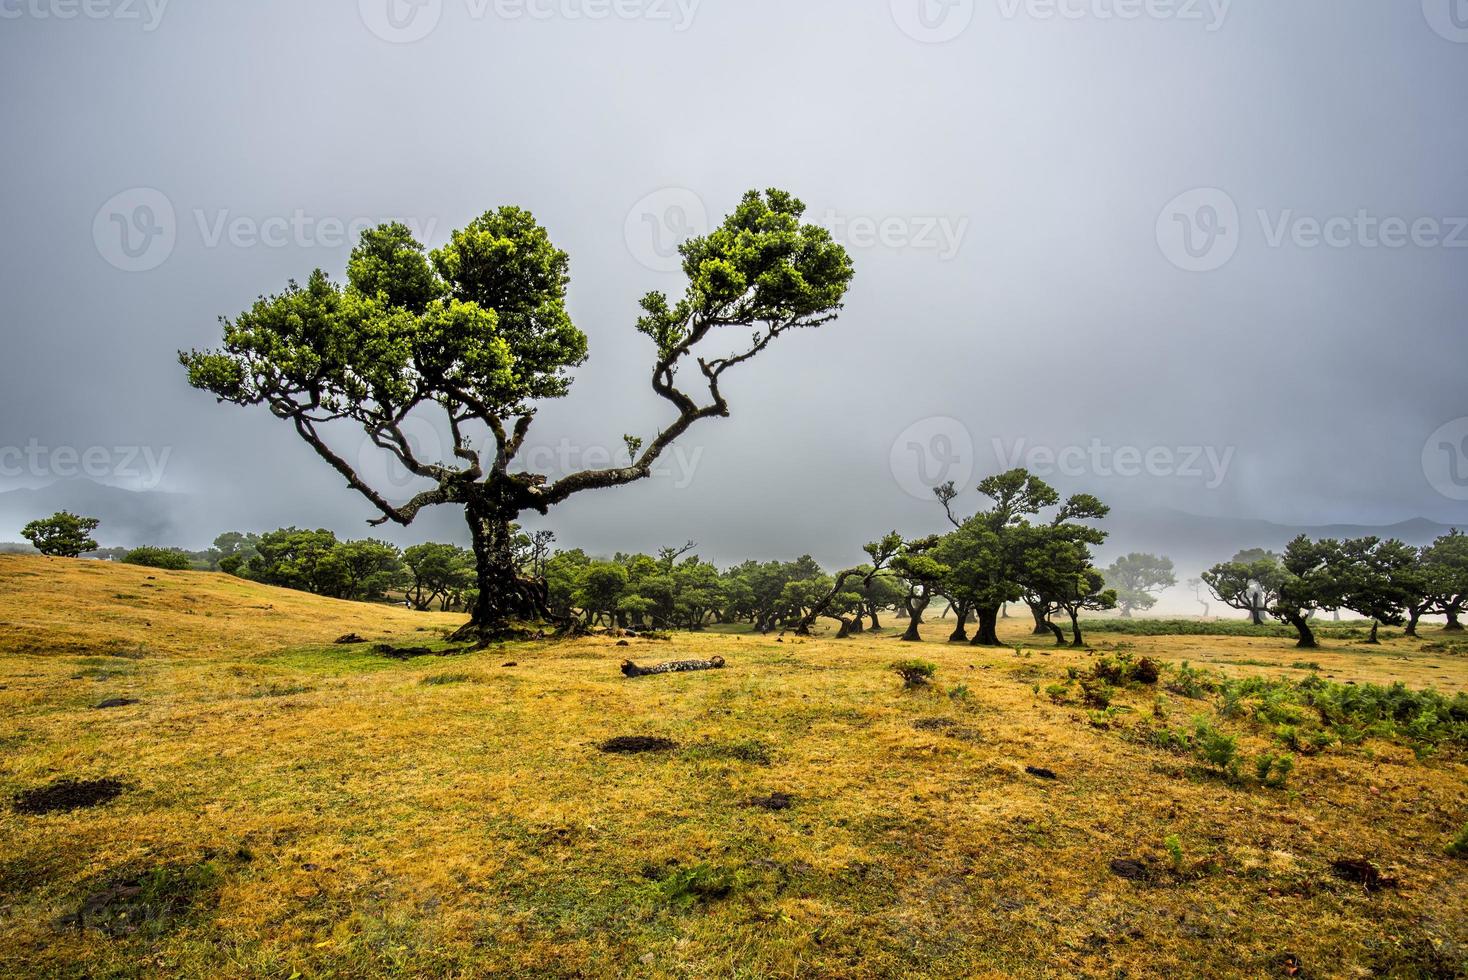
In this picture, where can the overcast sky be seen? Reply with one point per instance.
(1182, 253)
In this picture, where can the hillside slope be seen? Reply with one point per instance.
(60, 605)
(261, 802)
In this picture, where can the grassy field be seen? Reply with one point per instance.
(284, 806)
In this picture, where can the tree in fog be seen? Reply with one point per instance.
(478, 332)
(1249, 582)
(62, 535)
(1137, 578)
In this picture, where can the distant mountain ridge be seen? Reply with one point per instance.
(129, 517)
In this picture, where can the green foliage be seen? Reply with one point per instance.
(62, 535)
(914, 673)
(1459, 845)
(441, 573)
(1221, 627)
(1310, 715)
(483, 324)
(315, 561)
(696, 884)
(1058, 693)
(1215, 748)
(1190, 682)
(167, 558)
(1174, 847)
(1250, 581)
(1137, 578)
(1273, 770)
(762, 265)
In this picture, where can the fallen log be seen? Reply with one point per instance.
(629, 669)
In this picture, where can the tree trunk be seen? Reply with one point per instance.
(960, 632)
(987, 635)
(1126, 610)
(1075, 630)
(1302, 627)
(1256, 615)
(1375, 626)
(876, 625)
(1042, 625)
(1059, 633)
(505, 600)
(1453, 625)
(1414, 617)
(915, 606)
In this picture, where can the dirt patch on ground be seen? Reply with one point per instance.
(67, 794)
(636, 744)
(1131, 869)
(774, 802)
(151, 902)
(116, 703)
(1362, 872)
(948, 727)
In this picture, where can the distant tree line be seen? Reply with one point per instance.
(1386, 581)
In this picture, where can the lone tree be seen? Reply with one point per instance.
(62, 535)
(478, 331)
(1137, 578)
(1310, 581)
(1250, 582)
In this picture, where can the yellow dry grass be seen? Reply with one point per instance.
(341, 814)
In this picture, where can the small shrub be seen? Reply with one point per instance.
(1174, 847)
(170, 559)
(696, 883)
(1096, 693)
(1177, 742)
(1190, 682)
(1273, 770)
(914, 673)
(1058, 693)
(1459, 847)
(960, 692)
(1215, 748)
